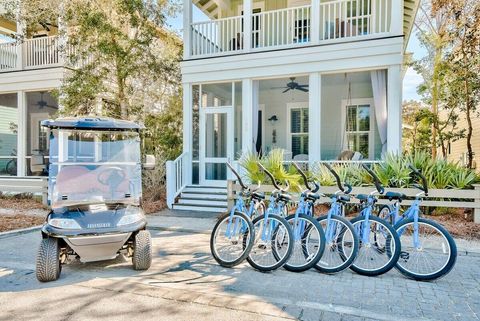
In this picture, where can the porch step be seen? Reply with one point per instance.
(199, 208)
(202, 198)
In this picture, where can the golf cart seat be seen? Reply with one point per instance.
(395, 196)
(74, 179)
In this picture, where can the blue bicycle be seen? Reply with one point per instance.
(308, 235)
(379, 243)
(273, 243)
(428, 250)
(342, 240)
(233, 235)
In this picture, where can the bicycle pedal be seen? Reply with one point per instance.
(404, 255)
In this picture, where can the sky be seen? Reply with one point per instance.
(410, 82)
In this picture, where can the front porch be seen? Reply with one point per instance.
(313, 118)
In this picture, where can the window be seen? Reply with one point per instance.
(358, 129)
(299, 131)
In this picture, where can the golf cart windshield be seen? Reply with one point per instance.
(94, 166)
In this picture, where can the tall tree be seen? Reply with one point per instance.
(463, 75)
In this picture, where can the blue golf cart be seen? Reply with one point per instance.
(95, 192)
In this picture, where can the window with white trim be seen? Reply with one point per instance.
(359, 129)
(299, 131)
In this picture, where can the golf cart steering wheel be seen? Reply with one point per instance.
(111, 176)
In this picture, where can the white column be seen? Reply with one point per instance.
(247, 25)
(21, 133)
(396, 17)
(20, 36)
(187, 29)
(315, 25)
(314, 117)
(247, 115)
(187, 130)
(394, 109)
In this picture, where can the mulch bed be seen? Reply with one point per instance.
(18, 221)
(18, 203)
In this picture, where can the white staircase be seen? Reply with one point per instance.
(202, 198)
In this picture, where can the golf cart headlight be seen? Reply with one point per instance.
(64, 223)
(132, 215)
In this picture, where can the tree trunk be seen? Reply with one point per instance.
(437, 61)
(469, 126)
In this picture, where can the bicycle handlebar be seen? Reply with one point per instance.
(376, 180)
(305, 180)
(416, 172)
(274, 182)
(237, 175)
(339, 181)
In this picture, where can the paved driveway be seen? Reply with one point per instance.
(185, 283)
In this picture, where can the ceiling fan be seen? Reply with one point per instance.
(42, 103)
(292, 85)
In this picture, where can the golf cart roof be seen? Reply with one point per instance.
(97, 123)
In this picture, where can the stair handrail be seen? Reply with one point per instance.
(176, 177)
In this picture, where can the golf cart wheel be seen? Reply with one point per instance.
(142, 251)
(48, 260)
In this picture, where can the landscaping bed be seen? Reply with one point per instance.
(19, 221)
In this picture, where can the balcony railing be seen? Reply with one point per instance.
(30, 54)
(340, 19)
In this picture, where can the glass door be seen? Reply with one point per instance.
(216, 144)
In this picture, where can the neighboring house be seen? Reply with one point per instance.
(28, 72)
(457, 151)
(342, 61)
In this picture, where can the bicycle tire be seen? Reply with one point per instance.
(279, 261)
(392, 240)
(450, 262)
(347, 262)
(304, 247)
(246, 246)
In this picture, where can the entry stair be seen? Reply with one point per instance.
(202, 198)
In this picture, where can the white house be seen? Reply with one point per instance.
(314, 77)
(29, 70)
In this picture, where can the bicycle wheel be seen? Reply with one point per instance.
(11, 167)
(433, 258)
(308, 243)
(341, 244)
(385, 213)
(232, 239)
(381, 253)
(273, 243)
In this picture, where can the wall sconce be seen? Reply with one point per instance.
(272, 121)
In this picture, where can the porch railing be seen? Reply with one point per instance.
(217, 36)
(281, 27)
(339, 19)
(34, 53)
(176, 177)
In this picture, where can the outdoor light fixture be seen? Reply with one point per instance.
(272, 121)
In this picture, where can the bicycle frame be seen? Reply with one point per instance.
(366, 212)
(335, 209)
(239, 207)
(412, 212)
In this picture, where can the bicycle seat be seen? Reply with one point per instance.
(362, 197)
(284, 197)
(395, 196)
(312, 196)
(344, 198)
(258, 195)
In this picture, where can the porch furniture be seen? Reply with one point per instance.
(347, 155)
(301, 157)
(287, 155)
(236, 43)
(344, 29)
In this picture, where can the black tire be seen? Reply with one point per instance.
(11, 167)
(48, 267)
(304, 247)
(391, 240)
(142, 251)
(450, 262)
(383, 212)
(280, 261)
(347, 260)
(248, 238)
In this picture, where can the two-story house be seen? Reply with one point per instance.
(313, 77)
(29, 71)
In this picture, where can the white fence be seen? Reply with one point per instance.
(176, 177)
(451, 198)
(340, 19)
